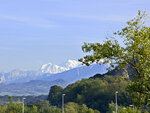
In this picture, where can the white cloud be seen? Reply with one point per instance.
(36, 22)
(14, 18)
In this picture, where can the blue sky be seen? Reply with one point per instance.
(34, 32)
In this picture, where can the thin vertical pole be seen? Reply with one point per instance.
(116, 101)
(63, 103)
(23, 105)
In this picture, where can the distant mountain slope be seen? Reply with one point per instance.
(37, 83)
(79, 73)
(5, 99)
(34, 87)
(70, 72)
(20, 75)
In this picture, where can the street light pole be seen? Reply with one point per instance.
(132, 106)
(63, 103)
(23, 105)
(116, 101)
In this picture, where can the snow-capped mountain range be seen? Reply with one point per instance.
(20, 75)
(39, 82)
(53, 68)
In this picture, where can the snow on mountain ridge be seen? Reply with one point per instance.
(72, 64)
(2, 79)
(53, 68)
(22, 75)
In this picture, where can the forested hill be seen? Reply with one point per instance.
(96, 93)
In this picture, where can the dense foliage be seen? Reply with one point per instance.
(43, 107)
(122, 109)
(95, 93)
(134, 51)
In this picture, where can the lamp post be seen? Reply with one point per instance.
(132, 106)
(116, 101)
(23, 105)
(63, 103)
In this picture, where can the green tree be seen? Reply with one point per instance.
(50, 109)
(130, 110)
(10, 100)
(71, 107)
(135, 52)
(14, 107)
(34, 109)
(95, 93)
(112, 108)
(96, 111)
(53, 93)
(3, 109)
(90, 111)
(122, 109)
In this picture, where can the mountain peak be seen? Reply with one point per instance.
(72, 64)
(53, 68)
